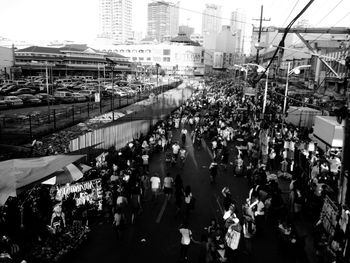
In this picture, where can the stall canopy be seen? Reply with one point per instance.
(302, 116)
(16, 174)
(328, 132)
(67, 174)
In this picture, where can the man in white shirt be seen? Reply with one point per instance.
(155, 186)
(168, 186)
(183, 154)
(145, 161)
(183, 135)
(176, 148)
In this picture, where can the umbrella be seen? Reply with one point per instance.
(68, 174)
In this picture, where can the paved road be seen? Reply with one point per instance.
(158, 225)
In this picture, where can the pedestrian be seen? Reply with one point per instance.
(189, 201)
(213, 170)
(186, 238)
(135, 201)
(183, 135)
(117, 222)
(168, 186)
(155, 186)
(179, 193)
(176, 148)
(183, 155)
(145, 161)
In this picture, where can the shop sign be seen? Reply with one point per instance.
(329, 215)
(76, 188)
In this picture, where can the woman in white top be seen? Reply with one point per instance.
(186, 237)
(188, 200)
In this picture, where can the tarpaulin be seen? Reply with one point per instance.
(19, 173)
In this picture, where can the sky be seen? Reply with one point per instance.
(77, 20)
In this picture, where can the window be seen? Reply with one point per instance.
(166, 59)
(166, 52)
(134, 58)
(148, 59)
(141, 51)
(141, 58)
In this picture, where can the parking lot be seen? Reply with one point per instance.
(35, 92)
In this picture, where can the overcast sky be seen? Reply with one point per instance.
(78, 19)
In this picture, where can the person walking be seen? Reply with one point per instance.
(176, 148)
(186, 238)
(188, 201)
(183, 136)
(155, 186)
(213, 170)
(183, 155)
(117, 222)
(168, 186)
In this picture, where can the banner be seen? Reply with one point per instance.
(84, 192)
(329, 215)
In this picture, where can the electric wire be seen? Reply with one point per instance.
(281, 44)
(323, 18)
(296, 3)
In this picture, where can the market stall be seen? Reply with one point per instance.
(302, 116)
(328, 132)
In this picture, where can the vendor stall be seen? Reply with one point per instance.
(302, 116)
(328, 132)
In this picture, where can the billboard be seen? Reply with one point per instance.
(218, 61)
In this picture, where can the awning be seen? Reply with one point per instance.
(16, 174)
(68, 174)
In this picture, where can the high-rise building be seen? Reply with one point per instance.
(115, 18)
(238, 24)
(211, 25)
(186, 30)
(163, 20)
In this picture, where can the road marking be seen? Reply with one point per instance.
(162, 210)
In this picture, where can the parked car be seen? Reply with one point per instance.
(89, 94)
(9, 89)
(63, 89)
(120, 93)
(44, 97)
(13, 101)
(3, 104)
(78, 97)
(64, 96)
(29, 99)
(22, 91)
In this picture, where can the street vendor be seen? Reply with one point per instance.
(58, 221)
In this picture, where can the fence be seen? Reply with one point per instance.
(119, 134)
(22, 128)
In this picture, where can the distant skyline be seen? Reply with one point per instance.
(77, 20)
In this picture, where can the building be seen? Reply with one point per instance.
(6, 62)
(186, 30)
(211, 25)
(163, 20)
(180, 56)
(115, 20)
(238, 25)
(67, 60)
(226, 55)
(197, 38)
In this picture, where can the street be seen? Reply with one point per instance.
(154, 237)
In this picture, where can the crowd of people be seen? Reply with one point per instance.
(224, 118)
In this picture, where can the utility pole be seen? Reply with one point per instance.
(260, 29)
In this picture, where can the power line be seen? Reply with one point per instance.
(281, 44)
(322, 33)
(324, 17)
(285, 21)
